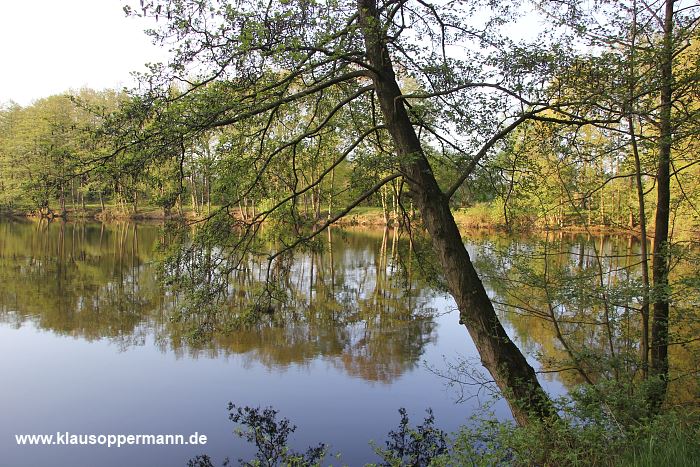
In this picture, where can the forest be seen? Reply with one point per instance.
(274, 121)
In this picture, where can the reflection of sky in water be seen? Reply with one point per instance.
(133, 384)
(57, 383)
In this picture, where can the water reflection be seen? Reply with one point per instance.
(573, 301)
(90, 281)
(348, 303)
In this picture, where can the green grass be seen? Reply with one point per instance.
(674, 442)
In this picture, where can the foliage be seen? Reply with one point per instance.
(600, 426)
(413, 447)
(270, 439)
(587, 434)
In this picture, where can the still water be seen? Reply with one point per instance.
(89, 347)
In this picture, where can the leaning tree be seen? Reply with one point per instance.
(419, 83)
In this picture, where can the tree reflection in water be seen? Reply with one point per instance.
(347, 303)
(352, 300)
(575, 301)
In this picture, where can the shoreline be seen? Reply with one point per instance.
(362, 217)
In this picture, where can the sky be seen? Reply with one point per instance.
(50, 46)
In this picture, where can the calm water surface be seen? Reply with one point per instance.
(88, 346)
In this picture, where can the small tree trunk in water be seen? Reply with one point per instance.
(507, 365)
(659, 327)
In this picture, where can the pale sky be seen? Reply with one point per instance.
(50, 46)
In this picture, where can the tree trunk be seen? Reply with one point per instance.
(644, 344)
(507, 365)
(81, 193)
(73, 194)
(395, 195)
(330, 194)
(193, 195)
(644, 341)
(62, 200)
(659, 327)
(385, 208)
(602, 201)
(317, 208)
(208, 194)
(243, 211)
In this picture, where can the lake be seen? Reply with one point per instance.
(90, 346)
